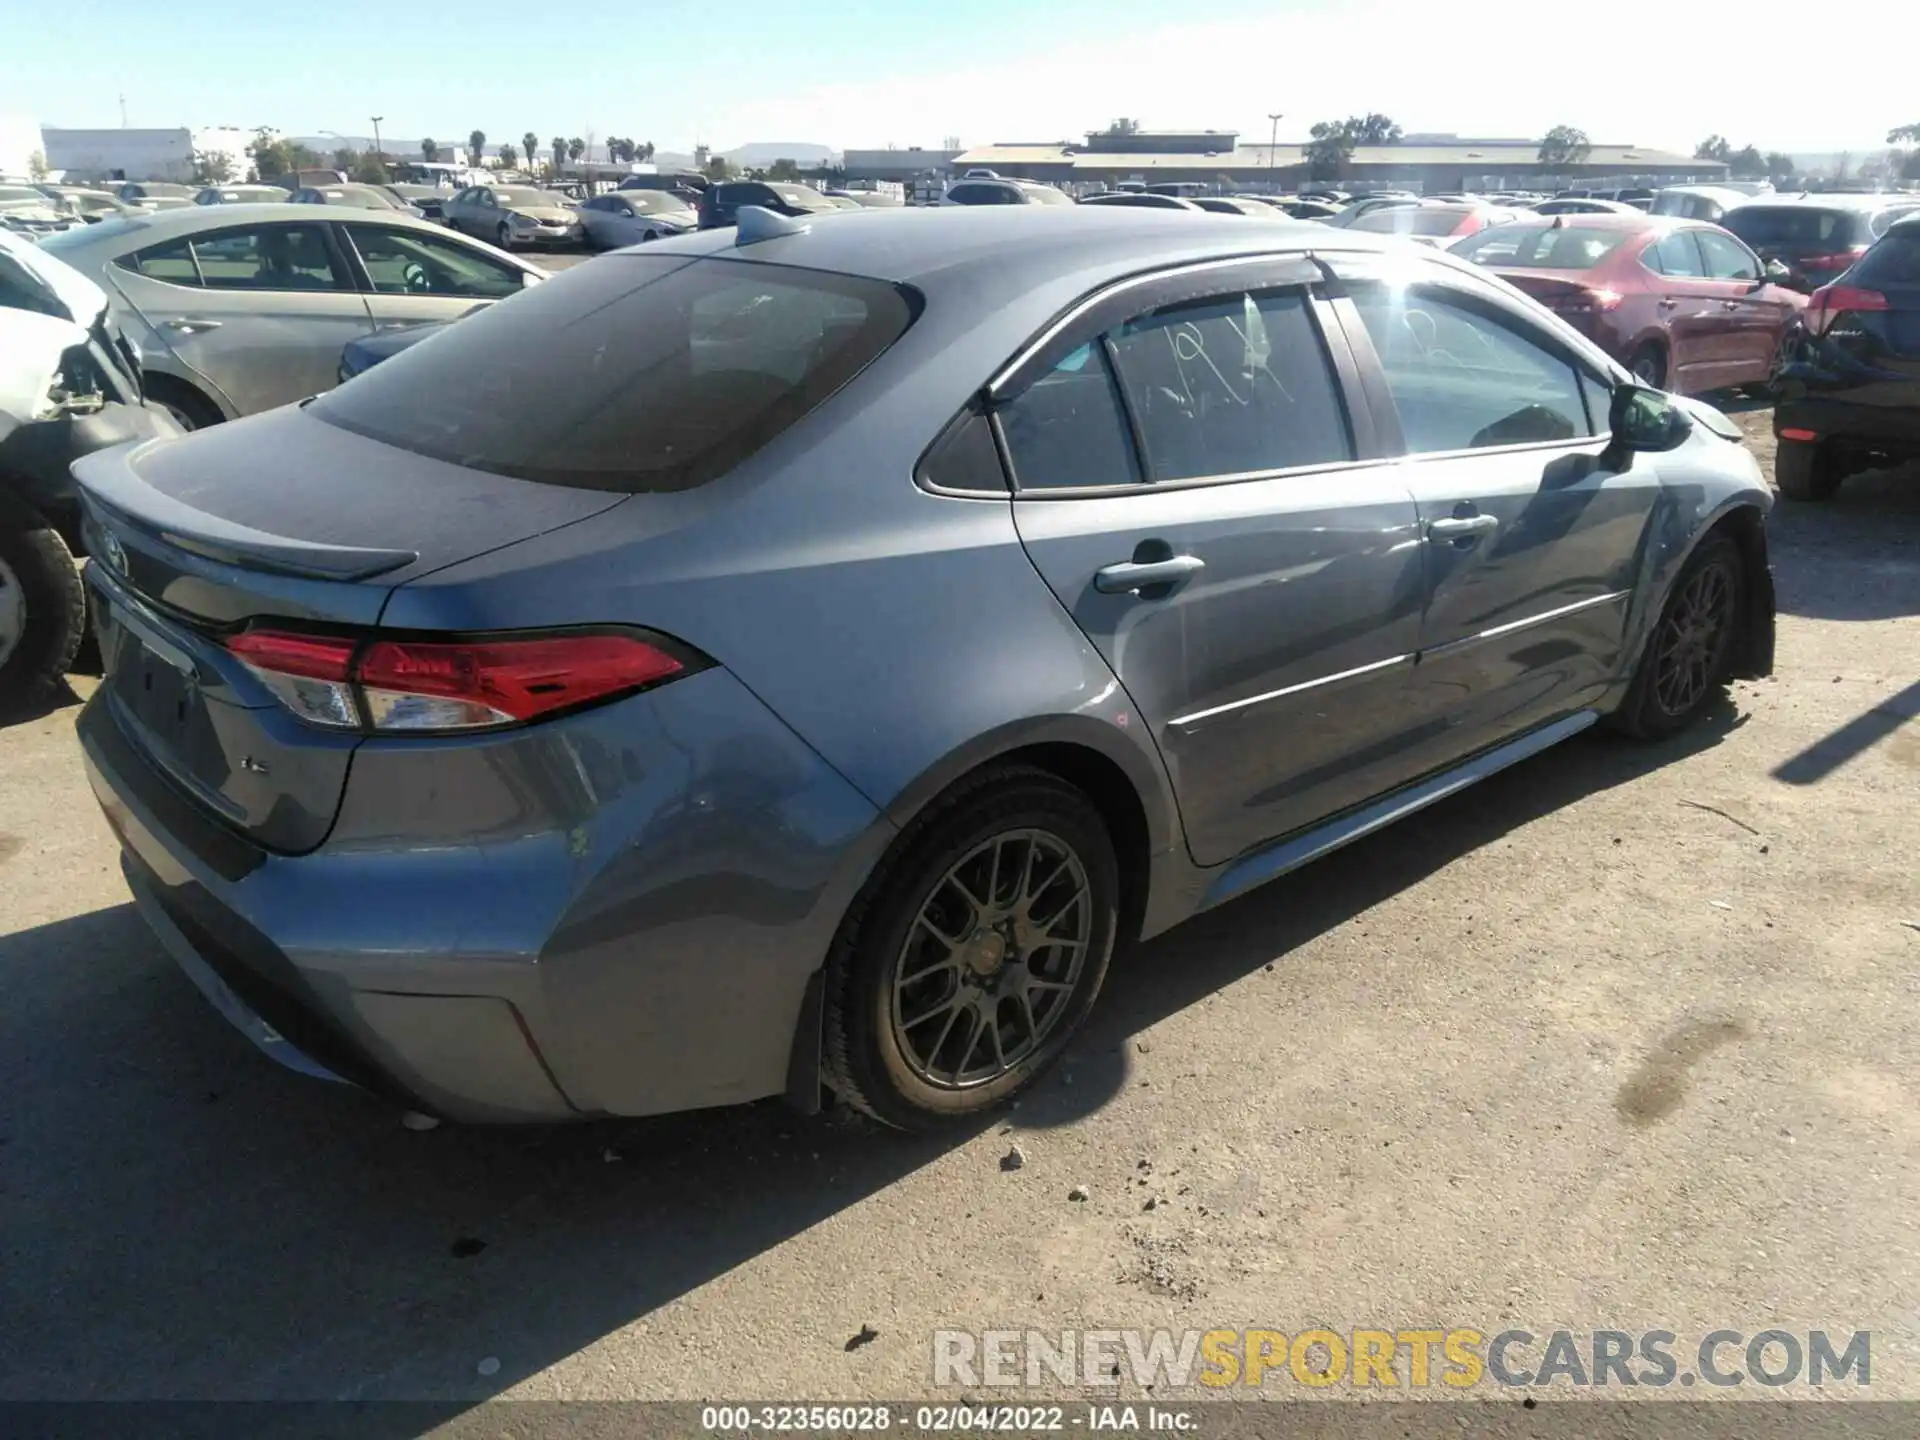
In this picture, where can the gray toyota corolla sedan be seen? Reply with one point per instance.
(787, 658)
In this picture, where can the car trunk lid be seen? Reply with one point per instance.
(192, 543)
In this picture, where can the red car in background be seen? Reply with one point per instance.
(1682, 304)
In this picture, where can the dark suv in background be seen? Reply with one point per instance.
(1817, 237)
(720, 204)
(1848, 395)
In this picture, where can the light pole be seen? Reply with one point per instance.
(379, 159)
(1273, 143)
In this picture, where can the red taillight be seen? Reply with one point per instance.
(309, 657)
(1830, 302)
(422, 686)
(1839, 260)
(413, 685)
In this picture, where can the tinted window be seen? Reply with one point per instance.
(1894, 261)
(172, 262)
(1727, 259)
(635, 373)
(273, 257)
(1236, 385)
(1067, 429)
(966, 458)
(1789, 225)
(1576, 247)
(1462, 380)
(1411, 220)
(405, 262)
(977, 195)
(1677, 255)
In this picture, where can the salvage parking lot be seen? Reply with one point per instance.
(1620, 1038)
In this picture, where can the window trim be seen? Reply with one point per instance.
(1470, 296)
(1700, 234)
(337, 256)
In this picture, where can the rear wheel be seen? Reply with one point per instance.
(974, 953)
(1683, 669)
(190, 409)
(1650, 366)
(43, 608)
(1806, 470)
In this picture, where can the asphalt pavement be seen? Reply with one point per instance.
(1622, 1038)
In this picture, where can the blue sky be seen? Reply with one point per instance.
(861, 73)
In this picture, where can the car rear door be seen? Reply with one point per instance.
(259, 312)
(413, 277)
(1191, 485)
(1532, 537)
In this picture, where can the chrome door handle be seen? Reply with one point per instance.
(1668, 304)
(1452, 527)
(1130, 576)
(189, 327)
(1730, 304)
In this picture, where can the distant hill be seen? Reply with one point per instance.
(765, 152)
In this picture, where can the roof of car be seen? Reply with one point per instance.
(994, 254)
(158, 225)
(1833, 200)
(1600, 220)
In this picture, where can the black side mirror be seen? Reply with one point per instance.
(1644, 419)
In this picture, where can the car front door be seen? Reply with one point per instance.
(1189, 482)
(1701, 350)
(412, 277)
(1759, 312)
(1532, 535)
(259, 312)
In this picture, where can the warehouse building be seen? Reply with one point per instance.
(1431, 163)
(130, 154)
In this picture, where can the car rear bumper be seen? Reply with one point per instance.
(1835, 417)
(566, 921)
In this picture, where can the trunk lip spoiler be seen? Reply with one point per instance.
(111, 485)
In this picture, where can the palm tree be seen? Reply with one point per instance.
(429, 151)
(576, 147)
(559, 153)
(646, 151)
(476, 147)
(509, 157)
(530, 148)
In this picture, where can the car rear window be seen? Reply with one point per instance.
(1795, 225)
(634, 374)
(1894, 261)
(1407, 220)
(1536, 247)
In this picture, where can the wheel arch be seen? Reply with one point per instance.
(191, 394)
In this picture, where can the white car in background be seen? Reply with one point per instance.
(238, 309)
(628, 217)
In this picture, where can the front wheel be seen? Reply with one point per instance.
(503, 237)
(974, 953)
(43, 609)
(1683, 669)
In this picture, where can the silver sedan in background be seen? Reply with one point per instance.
(627, 217)
(237, 309)
(358, 197)
(510, 215)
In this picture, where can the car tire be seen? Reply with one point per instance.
(1649, 366)
(650, 235)
(1806, 470)
(1684, 667)
(189, 408)
(943, 936)
(43, 605)
(503, 236)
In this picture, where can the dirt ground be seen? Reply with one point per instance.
(1622, 1038)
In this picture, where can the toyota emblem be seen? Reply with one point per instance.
(114, 554)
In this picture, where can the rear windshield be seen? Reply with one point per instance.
(803, 196)
(1407, 220)
(1795, 225)
(634, 374)
(1894, 261)
(1541, 247)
